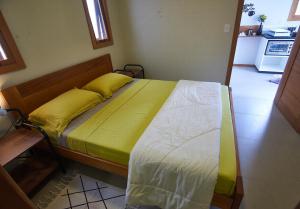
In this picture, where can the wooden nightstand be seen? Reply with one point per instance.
(132, 70)
(30, 173)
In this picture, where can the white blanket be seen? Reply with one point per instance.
(174, 165)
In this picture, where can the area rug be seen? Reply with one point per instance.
(85, 192)
(78, 191)
(276, 79)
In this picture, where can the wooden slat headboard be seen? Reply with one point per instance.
(30, 95)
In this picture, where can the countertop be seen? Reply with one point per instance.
(271, 37)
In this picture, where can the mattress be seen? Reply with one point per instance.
(111, 129)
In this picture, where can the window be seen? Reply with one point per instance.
(295, 11)
(10, 57)
(98, 22)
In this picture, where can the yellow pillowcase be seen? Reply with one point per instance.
(108, 83)
(55, 115)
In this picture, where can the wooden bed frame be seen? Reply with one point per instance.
(32, 94)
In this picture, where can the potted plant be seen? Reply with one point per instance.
(249, 8)
(261, 19)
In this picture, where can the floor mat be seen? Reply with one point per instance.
(85, 192)
(84, 187)
(276, 79)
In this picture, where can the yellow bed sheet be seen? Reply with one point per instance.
(113, 131)
(227, 166)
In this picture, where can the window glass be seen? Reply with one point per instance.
(98, 22)
(297, 9)
(97, 19)
(2, 54)
(10, 57)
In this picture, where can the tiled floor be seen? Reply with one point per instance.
(268, 146)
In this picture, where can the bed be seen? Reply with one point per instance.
(114, 157)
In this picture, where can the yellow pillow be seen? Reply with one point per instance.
(108, 83)
(55, 115)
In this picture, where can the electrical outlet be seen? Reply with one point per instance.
(226, 28)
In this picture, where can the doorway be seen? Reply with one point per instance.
(262, 42)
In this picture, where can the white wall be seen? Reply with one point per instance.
(179, 39)
(277, 12)
(53, 34)
(173, 39)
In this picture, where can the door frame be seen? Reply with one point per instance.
(235, 36)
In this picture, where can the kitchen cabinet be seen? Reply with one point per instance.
(246, 50)
(273, 54)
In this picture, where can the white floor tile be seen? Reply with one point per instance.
(97, 205)
(93, 196)
(268, 145)
(77, 199)
(111, 192)
(247, 82)
(116, 203)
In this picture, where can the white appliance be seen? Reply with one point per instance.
(279, 47)
(279, 33)
(273, 54)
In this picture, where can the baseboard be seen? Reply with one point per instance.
(244, 65)
(247, 65)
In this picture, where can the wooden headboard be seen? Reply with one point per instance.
(30, 95)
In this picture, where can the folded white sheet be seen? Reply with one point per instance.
(174, 165)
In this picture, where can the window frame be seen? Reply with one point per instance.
(292, 15)
(14, 59)
(99, 43)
